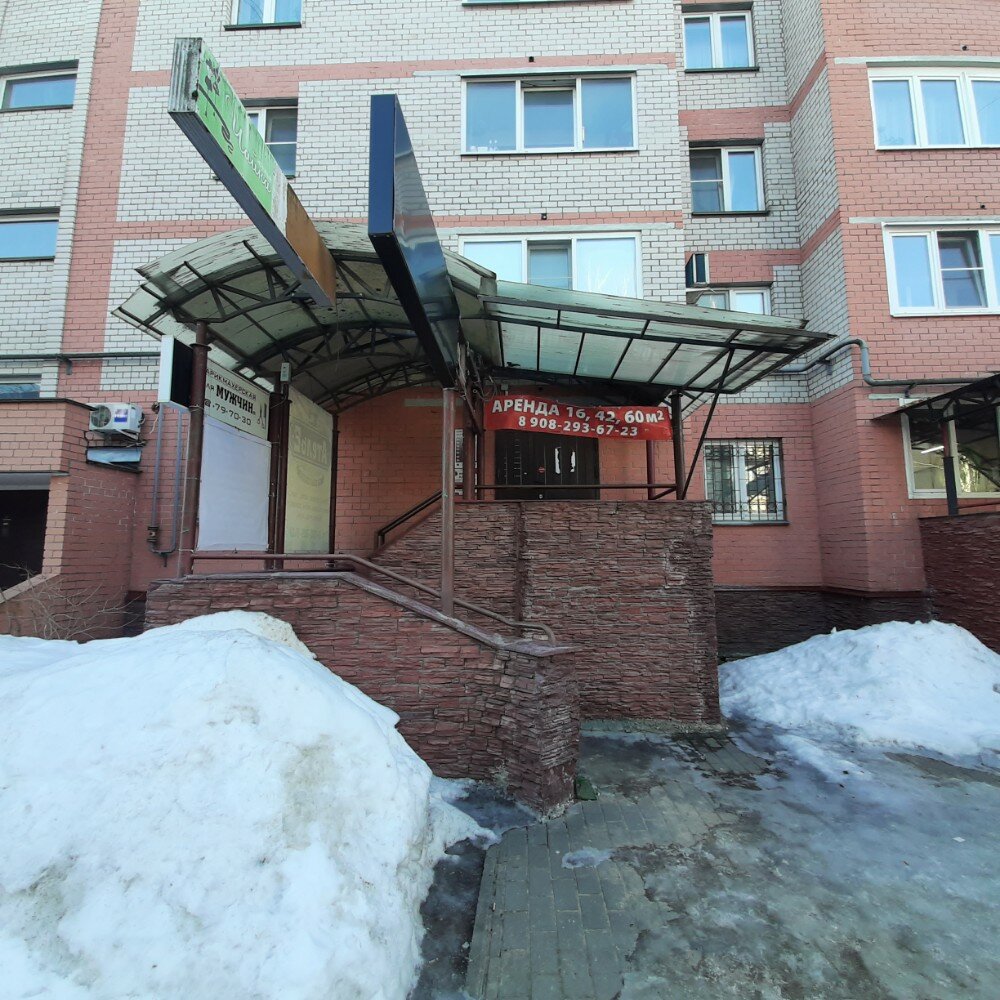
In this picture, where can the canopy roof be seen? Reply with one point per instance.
(976, 399)
(363, 347)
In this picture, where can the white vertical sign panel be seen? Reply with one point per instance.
(310, 464)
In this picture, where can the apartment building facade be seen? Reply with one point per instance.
(821, 159)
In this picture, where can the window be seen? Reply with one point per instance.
(534, 115)
(267, 11)
(726, 181)
(696, 270)
(279, 127)
(718, 41)
(747, 300)
(28, 238)
(19, 387)
(743, 481)
(974, 440)
(39, 90)
(607, 264)
(943, 270)
(936, 109)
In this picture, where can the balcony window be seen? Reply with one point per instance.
(747, 300)
(607, 264)
(936, 108)
(580, 113)
(726, 181)
(718, 41)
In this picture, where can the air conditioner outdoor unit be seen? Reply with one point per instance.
(116, 418)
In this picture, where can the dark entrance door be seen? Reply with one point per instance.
(22, 534)
(528, 465)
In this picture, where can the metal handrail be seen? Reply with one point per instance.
(279, 559)
(382, 533)
(666, 487)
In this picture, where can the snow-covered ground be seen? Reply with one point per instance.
(924, 686)
(205, 811)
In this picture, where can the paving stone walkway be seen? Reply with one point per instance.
(705, 873)
(562, 903)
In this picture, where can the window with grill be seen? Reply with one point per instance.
(743, 481)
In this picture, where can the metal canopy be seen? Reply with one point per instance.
(967, 401)
(365, 346)
(651, 347)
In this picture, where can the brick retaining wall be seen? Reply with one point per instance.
(471, 705)
(628, 583)
(962, 563)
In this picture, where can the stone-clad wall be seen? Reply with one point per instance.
(962, 563)
(629, 584)
(470, 704)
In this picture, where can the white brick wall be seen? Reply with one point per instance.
(353, 31)
(802, 28)
(814, 161)
(775, 230)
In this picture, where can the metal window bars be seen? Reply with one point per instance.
(743, 480)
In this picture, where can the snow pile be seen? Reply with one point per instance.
(205, 811)
(926, 686)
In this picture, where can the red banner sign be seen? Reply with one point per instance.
(532, 413)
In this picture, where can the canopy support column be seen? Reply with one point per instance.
(279, 468)
(448, 502)
(650, 469)
(334, 470)
(196, 447)
(677, 430)
(950, 479)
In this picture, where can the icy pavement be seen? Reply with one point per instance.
(709, 869)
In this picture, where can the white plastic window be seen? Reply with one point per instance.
(727, 180)
(28, 238)
(38, 90)
(953, 270)
(279, 127)
(936, 108)
(973, 440)
(606, 264)
(748, 300)
(267, 11)
(722, 40)
(535, 115)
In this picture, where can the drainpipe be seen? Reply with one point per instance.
(866, 367)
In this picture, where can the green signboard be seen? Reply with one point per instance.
(229, 124)
(205, 106)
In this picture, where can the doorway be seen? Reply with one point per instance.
(22, 534)
(532, 466)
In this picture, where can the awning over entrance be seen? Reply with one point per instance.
(364, 346)
(966, 402)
